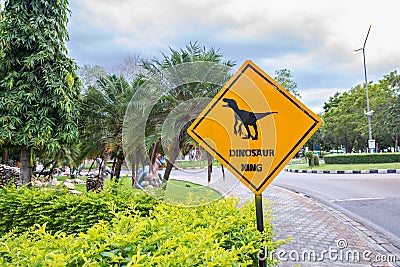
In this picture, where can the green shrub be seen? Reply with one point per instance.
(63, 211)
(309, 156)
(362, 158)
(315, 160)
(217, 234)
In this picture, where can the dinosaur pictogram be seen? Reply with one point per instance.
(246, 119)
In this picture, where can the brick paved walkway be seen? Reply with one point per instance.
(320, 235)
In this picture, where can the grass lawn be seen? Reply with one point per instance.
(344, 167)
(296, 161)
(188, 194)
(194, 163)
(178, 192)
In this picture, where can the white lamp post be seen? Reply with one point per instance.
(369, 113)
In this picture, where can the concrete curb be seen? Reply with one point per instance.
(344, 172)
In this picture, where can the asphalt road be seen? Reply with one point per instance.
(374, 198)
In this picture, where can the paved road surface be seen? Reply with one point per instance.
(373, 197)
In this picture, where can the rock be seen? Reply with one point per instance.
(9, 175)
(75, 192)
(94, 182)
(54, 182)
(69, 186)
(78, 181)
(44, 180)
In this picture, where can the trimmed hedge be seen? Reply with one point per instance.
(62, 211)
(362, 158)
(217, 234)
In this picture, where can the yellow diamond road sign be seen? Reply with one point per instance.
(254, 126)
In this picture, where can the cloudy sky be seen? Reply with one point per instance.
(314, 39)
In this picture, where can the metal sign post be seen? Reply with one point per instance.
(260, 227)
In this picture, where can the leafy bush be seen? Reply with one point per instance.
(315, 160)
(362, 158)
(63, 211)
(309, 155)
(217, 234)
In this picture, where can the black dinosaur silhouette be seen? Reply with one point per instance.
(247, 118)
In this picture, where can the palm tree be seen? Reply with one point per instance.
(168, 67)
(104, 106)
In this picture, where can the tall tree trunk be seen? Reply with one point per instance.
(168, 169)
(154, 153)
(134, 165)
(101, 167)
(114, 166)
(93, 162)
(5, 156)
(137, 161)
(120, 160)
(209, 171)
(25, 167)
(45, 167)
(52, 169)
(135, 158)
(91, 166)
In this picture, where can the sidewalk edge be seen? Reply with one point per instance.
(373, 233)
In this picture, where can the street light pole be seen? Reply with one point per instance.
(368, 113)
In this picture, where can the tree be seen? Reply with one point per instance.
(38, 83)
(180, 94)
(129, 68)
(316, 139)
(333, 102)
(390, 108)
(103, 108)
(89, 74)
(391, 80)
(284, 77)
(393, 121)
(345, 122)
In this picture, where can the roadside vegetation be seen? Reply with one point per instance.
(345, 124)
(356, 161)
(334, 167)
(59, 114)
(120, 227)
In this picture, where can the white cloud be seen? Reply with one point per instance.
(314, 39)
(289, 61)
(314, 98)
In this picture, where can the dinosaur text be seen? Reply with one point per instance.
(251, 152)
